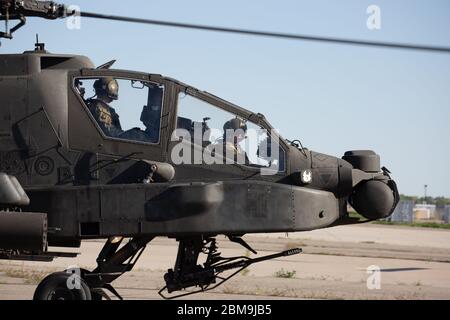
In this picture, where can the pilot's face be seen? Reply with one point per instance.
(109, 100)
(240, 136)
(105, 98)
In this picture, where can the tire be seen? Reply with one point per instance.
(55, 287)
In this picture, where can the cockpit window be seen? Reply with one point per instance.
(123, 108)
(234, 139)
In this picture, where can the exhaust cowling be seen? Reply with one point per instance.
(23, 231)
(11, 192)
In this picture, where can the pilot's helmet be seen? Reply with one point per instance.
(235, 124)
(238, 128)
(107, 86)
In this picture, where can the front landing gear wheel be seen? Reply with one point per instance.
(60, 286)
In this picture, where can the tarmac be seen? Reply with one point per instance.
(336, 263)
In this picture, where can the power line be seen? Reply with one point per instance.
(392, 45)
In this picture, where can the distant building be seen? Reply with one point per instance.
(424, 211)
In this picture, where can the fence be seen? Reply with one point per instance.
(403, 212)
(446, 216)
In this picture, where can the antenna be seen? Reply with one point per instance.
(425, 187)
(39, 47)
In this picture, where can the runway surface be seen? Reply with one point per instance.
(414, 264)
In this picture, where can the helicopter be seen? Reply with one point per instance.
(74, 168)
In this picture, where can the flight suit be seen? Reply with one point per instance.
(106, 117)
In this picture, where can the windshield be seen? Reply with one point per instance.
(226, 134)
(124, 108)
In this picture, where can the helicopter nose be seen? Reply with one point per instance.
(376, 197)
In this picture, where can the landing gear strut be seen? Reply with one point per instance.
(89, 285)
(112, 262)
(187, 273)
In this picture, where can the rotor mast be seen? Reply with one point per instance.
(19, 10)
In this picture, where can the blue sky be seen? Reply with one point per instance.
(332, 97)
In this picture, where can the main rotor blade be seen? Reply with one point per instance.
(269, 34)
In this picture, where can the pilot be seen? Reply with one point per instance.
(106, 91)
(234, 133)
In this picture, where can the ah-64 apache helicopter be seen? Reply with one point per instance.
(74, 168)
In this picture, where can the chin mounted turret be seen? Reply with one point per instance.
(374, 193)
